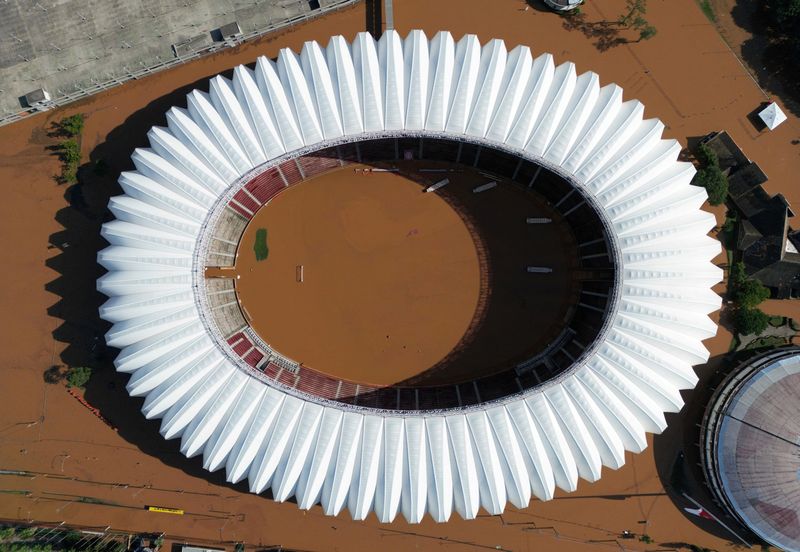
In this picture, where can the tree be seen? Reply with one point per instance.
(647, 32)
(78, 376)
(715, 182)
(706, 156)
(783, 13)
(751, 321)
(73, 125)
(737, 276)
(750, 293)
(70, 152)
(636, 9)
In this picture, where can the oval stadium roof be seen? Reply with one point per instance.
(753, 445)
(413, 463)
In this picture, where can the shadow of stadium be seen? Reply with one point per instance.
(81, 328)
(677, 452)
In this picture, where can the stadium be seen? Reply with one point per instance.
(749, 449)
(617, 285)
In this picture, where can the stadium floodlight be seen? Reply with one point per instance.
(414, 462)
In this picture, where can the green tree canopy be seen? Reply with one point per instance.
(647, 32)
(737, 276)
(715, 182)
(750, 293)
(73, 125)
(750, 321)
(70, 151)
(78, 376)
(635, 10)
(707, 156)
(782, 13)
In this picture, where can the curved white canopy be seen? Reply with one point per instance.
(411, 462)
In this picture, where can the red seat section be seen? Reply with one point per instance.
(290, 172)
(266, 185)
(314, 383)
(242, 347)
(286, 377)
(245, 200)
(271, 370)
(318, 163)
(254, 357)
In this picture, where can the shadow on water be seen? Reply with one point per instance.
(374, 17)
(677, 453)
(81, 328)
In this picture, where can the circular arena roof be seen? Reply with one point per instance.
(751, 446)
(389, 461)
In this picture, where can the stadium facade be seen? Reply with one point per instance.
(749, 445)
(245, 134)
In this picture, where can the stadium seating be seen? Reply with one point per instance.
(246, 200)
(290, 172)
(266, 185)
(241, 210)
(595, 274)
(253, 357)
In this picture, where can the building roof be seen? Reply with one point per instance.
(35, 96)
(729, 154)
(767, 253)
(753, 447)
(430, 461)
(772, 115)
(744, 188)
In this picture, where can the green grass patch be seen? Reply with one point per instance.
(777, 321)
(260, 246)
(708, 10)
(768, 341)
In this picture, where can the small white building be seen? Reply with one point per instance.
(39, 98)
(772, 115)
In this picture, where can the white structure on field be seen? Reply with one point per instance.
(411, 462)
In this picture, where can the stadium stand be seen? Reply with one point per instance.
(595, 273)
(291, 172)
(266, 185)
(253, 357)
(246, 200)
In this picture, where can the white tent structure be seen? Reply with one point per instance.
(772, 115)
(411, 462)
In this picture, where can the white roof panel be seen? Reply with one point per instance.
(367, 460)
